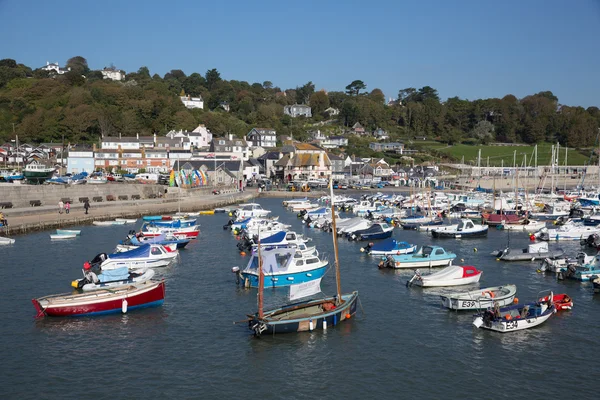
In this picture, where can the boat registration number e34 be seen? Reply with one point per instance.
(512, 325)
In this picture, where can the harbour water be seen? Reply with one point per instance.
(401, 344)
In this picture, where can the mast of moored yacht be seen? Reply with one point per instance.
(261, 282)
(338, 283)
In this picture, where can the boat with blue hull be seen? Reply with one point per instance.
(132, 240)
(427, 256)
(389, 246)
(281, 267)
(179, 223)
(378, 230)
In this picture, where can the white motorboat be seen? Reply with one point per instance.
(464, 229)
(68, 232)
(251, 210)
(5, 240)
(63, 236)
(449, 276)
(569, 231)
(527, 226)
(481, 298)
(108, 223)
(145, 256)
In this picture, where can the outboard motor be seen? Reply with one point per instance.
(301, 214)
(387, 263)
(228, 224)
(367, 248)
(99, 259)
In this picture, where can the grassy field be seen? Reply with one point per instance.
(498, 154)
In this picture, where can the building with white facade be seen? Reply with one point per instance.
(298, 110)
(263, 137)
(192, 102)
(199, 137)
(80, 160)
(113, 73)
(54, 68)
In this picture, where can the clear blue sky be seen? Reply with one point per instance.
(466, 48)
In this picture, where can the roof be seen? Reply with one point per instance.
(309, 160)
(264, 131)
(305, 146)
(333, 157)
(270, 155)
(283, 161)
(209, 165)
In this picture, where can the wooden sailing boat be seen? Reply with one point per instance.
(306, 315)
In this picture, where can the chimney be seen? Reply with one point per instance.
(230, 136)
(155, 138)
(94, 147)
(119, 135)
(137, 136)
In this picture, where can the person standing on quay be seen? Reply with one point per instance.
(67, 207)
(86, 205)
(61, 205)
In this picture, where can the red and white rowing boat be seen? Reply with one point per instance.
(190, 232)
(104, 301)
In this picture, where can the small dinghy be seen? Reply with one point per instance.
(104, 223)
(68, 232)
(61, 236)
(515, 317)
(5, 240)
(125, 220)
(389, 246)
(525, 226)
(449, 276)
(110, 279)
(480, 299)
(536, 251)
(103, 301)
(561, 301)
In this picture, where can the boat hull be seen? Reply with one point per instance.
(101, 302)
(376, 236)
(283, 280)
(459, 234)
(520, 256)
(477, 300)
(275, 321)
(426, 263)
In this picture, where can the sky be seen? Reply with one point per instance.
(465, 48)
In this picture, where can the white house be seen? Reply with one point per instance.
(113, 74)
(298, 110)
(199, 137)
(54, 68)
(192, 102)
(265, 138)
(334, 142)
(332, 111)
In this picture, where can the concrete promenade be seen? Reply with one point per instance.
(24, 220)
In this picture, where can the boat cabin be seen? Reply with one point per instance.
(465, 224)
(428, 251)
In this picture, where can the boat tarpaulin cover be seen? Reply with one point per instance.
(114, 274)
(305, 289)
(140, 252)
(276, 238)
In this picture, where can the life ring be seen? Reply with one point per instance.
(488, 294)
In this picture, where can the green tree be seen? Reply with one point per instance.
(303, 93)
(355, 87)
(319, 102)
(78, 65)
(212, 77)
(267, 85)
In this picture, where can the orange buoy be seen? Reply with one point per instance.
(348, 316)
(516, 300)
(242, 253)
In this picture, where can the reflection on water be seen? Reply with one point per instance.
(403, 342)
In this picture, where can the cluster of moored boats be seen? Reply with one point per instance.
(124, 279)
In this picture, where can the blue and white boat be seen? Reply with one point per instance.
(145, 256)
(378, 230)
(152, 218)
(389, 246)
(427, 256)
(132, 241)
(178, 223)
(281, 267)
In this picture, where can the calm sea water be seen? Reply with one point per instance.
(404, 345)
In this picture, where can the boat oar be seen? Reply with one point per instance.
(243, 321)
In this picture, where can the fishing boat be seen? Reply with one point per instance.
(464, 229)
(427, 256)
(481, 298)
(515, 317)
(68, 232)
(378, 230)
(190, 232)
(172, 223)
(535, 251)
(306, 315)
(389, 246)
(133, 240)
(449, 276)
(111, 279)
(526, 225)
(63, 236)
(145, 256)
(281, 267)
(561, 301)
(5, 240)
(103, 301)
(38, 173)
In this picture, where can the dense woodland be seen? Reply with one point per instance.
(79, 106)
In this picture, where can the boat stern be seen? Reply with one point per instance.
(38, 306)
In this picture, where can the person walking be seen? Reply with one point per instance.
(61, 205)
(67, 207)
(86, 205)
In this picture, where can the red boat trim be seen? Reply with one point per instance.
(38, 307)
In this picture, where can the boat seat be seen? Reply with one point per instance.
(35, 203)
